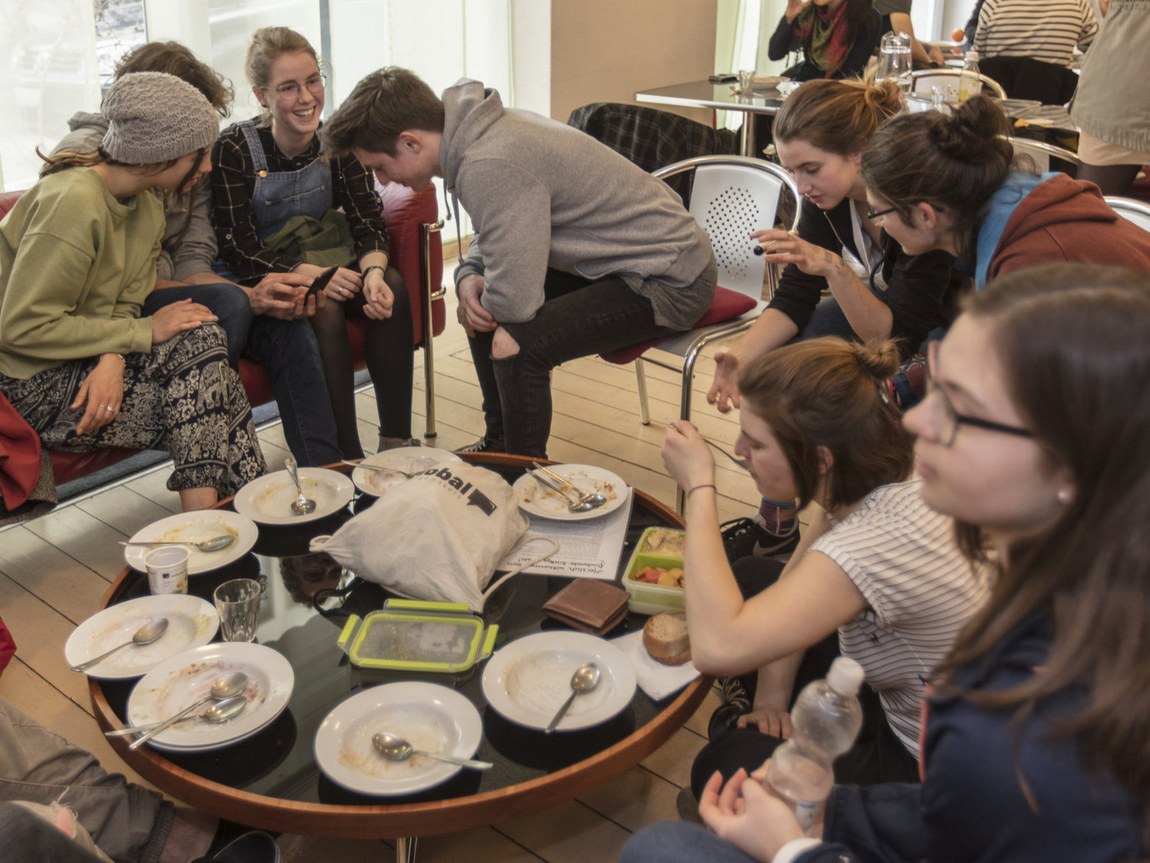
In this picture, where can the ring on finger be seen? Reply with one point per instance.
(109, 409)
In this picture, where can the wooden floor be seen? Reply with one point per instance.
(54, 570)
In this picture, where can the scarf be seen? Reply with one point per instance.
(823, 32)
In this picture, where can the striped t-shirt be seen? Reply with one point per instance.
(1044, 30)
(919, 589)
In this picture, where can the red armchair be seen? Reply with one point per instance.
(412, 217)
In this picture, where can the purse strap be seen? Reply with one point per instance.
(523, 541)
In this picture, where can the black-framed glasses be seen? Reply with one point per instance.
(878, 214)
(291, 90)
(946, 419)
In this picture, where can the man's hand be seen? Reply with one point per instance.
(282, 295)
(177, 317)
(103, 390)
(471, 314)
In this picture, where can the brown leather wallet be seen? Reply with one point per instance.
(591, 606)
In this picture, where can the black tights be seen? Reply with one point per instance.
(388, 350)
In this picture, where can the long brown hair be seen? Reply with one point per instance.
(176, 59)
(1071, 340)
(954, 163)
(838, 116)
(832, 393)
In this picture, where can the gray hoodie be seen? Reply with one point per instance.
(541, 194)
(189, 243)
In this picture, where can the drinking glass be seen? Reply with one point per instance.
(238, 605)
(746, 81)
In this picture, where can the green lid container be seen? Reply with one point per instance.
(412, 635)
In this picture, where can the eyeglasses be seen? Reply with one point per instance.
(290, 91)
(878, 214)
(946, 419)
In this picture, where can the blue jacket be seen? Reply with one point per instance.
(971, 806)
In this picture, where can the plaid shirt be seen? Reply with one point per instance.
(233, 181)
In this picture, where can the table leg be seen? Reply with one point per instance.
(747, 136)
(405, 849)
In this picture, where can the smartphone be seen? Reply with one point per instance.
(723, 78)
(320, 281)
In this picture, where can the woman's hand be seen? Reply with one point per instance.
(744, 814)
(794, 7)
(774, 721)
(344, 285)
(175, 318)
(724, 391)
(103, 391)
(783, 247)
(686, 455)
(378, 295)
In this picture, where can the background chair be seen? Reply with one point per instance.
(1046, 157)
(1137, 212)
(730, 196)
(924, 81)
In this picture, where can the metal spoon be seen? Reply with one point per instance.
(587, 499)
(215, 543)
(146, 634)
(585, 678)
(301, 505)
(395, 748)
(223, 687)
(221, 711)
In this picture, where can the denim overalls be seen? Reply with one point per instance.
(279, 195)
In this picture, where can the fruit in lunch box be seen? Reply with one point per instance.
(672, 577)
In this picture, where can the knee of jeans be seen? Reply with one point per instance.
(503, 345)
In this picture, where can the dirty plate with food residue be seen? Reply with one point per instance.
(268, 499)
(399, 464)
(191, 623)
(429, 716)
(184, 679)
(538, 500)
(192, 527)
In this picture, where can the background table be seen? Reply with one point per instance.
(271, 780)
(720, 97)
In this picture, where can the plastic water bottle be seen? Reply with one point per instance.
(969, 84)
(824, 724)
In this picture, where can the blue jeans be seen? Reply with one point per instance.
(229, 303)
(290, 353)
(679, 842)
(578, 318)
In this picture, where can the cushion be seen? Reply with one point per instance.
(405, 211)
(726, 306)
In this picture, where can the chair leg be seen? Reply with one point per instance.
(641, 388)
(430, 294)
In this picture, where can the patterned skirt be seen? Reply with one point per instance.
(182, 397)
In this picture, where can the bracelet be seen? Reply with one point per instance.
(695, 488)
(120, 357)
(382, 270)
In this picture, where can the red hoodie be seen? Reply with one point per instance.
(1067, 220)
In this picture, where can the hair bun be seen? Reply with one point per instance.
(880, 359)
(964, 135)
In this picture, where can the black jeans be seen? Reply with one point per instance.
(877, 755)
(577, 319)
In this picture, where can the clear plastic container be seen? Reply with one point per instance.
(661, 548)
(418, 636)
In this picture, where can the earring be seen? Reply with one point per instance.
(1064, 496)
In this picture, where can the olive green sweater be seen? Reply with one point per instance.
(75, 265)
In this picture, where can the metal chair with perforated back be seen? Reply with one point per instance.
(730, 197)
(1137, 212)
(923, 82)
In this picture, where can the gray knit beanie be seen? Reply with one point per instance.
(154, 117)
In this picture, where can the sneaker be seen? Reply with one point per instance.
(484, 444)
(252, 847)
(386, 443)
(736, 702)
(743, 537)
